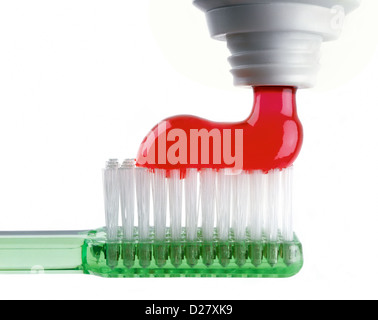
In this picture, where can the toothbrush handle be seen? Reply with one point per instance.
(41, 251)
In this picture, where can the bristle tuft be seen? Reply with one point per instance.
(111, 195)
(254, 206)
(143, 181)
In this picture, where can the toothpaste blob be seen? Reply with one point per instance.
(270, 138)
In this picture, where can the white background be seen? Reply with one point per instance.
(84, 81)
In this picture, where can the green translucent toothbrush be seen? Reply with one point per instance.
(158, 250)
(89, 252)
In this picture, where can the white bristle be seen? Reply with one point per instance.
(287, 217)
(175, 203)
(111, 196)
(207, 194)
(273, 196)
(256, 212)
(142, 182)
(159, 196)
(240, 199)
(126, 176)
(223, 204)
(257, 202)
(191, 204)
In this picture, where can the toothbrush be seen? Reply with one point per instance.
(185, 219)
(207, 199)
(196, 218)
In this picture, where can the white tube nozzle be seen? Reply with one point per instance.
(275, 42)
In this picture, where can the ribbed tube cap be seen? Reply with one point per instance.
(275, 42)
